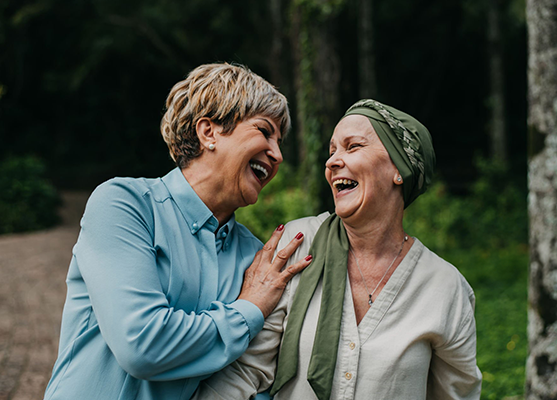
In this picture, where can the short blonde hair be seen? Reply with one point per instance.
(227, 95)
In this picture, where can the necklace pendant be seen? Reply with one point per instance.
(370, 302)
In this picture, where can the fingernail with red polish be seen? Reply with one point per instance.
(299, 235)
(308, 258)
(280, 227)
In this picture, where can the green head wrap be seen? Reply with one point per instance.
(407, 141)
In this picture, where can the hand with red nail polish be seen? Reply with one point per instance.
(266, 278)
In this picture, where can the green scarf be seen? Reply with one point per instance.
(330, 251)
(407, 141)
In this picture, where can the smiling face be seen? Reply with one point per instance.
(361, 174)
(247, 159)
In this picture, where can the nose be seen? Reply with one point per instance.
(334, 162)
(274, 153)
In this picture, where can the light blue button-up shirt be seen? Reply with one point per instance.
(151, 306)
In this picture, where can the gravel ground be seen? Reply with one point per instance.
(33, 269)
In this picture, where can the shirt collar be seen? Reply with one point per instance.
(195, 212)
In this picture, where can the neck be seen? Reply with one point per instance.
(380, 236)
(203, 181)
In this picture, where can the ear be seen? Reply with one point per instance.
(397, 179)
(207, 132)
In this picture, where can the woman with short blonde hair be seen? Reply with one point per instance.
(157, 299)
(224, 93)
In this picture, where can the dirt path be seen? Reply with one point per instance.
(33, 268)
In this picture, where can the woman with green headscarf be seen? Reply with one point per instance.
(377, 315)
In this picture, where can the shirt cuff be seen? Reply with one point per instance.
(252, 315)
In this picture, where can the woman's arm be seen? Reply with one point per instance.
(149, 338)
(254, 371)
(453, 370)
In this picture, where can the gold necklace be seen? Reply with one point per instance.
(370, 302)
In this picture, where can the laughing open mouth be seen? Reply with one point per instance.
(259, 170)
(344, 184)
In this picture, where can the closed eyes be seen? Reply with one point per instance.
(265, 132)
(354, 146)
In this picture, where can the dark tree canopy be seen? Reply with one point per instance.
(83, 83)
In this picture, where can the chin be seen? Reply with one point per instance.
(343, 214)
(342, 207)
(250, 198)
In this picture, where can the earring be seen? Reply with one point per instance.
(211, 147)
(399, 179)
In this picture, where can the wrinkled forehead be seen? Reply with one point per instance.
(353, 125)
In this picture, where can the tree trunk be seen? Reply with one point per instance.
(295, 27)
(280, 70)
(366, 64)
(276, 54)
(498, 129)
(541, 366)
(317, 80)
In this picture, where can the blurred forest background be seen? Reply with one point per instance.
(83, 85)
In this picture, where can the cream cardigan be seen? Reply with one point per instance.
(417, 341)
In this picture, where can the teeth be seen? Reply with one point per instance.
(259, 168)
(344, 182)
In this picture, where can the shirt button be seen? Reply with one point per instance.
(194, 225)
(223, 234)
(352, 346)
(348, 376)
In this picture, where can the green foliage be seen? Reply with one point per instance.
(499, 278)
(495, 211)
(435, 217)
(282, 200)
(27, 200)
(500, 203)
(319, 10)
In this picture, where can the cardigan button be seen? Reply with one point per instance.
(348, 376)
(352, 346)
